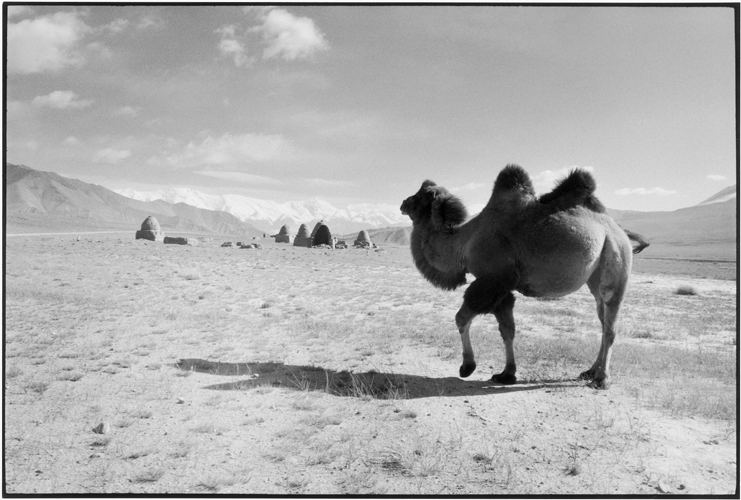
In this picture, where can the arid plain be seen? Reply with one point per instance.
(291, 370)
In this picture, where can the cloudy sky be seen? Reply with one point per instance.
(361, 104)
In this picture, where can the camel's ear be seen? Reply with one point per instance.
(447, 211)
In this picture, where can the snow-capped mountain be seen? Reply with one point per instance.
(270, 215)
(727, 194)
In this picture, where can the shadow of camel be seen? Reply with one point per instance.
(371, 384)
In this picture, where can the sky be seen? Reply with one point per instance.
(361, 104)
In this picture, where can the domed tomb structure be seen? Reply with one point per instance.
(284, 235)
(316, 228)
(150, 230)
(322, 236)
(302, 238)
(363, 240)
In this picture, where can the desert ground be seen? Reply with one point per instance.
(137, 367)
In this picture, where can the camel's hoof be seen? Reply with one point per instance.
(587, 375)
(467, 369)
(600, 385)
(504, 378)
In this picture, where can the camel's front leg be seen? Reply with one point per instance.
(490, 295)
(506, 319)
(463, 321)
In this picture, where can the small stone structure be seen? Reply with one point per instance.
(227, 244)
(322, 236)
(284, 235)
(302, 238)
(363, 240)
(178, 240)
(150, 230)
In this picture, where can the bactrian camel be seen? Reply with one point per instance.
(540, 247)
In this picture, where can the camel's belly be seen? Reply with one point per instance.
(558, 260)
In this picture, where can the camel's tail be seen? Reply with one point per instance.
(640, 241)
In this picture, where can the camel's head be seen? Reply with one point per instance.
(436, 204)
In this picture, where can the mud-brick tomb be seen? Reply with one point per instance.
(150, 230)
(302, 238)
(284, 235)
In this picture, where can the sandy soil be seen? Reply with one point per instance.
(306, 371)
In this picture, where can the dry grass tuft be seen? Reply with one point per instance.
(686, 290)
(148, 476)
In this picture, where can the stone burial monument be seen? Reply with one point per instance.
(150, 230)
(302, 237)
(322, 236)
(364, 240)
(284, 235)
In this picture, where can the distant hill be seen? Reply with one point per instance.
(47, 200)
(728, 194)
(384, 236)
(707, 230)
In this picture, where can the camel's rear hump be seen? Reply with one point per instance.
(575, 189)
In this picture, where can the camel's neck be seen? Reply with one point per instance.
(438, 256)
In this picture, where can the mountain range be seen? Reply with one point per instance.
(44, 199)
(270, 215)
(47, 200)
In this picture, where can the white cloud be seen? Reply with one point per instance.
(71, 141)
(227, 151)
(546, 180)
(657, 191)
(48, 43)
(471, 186)
(16, 109)
(109, 155)
(147, 22)
(714, 177)
(288, 36)
(61, 99)
(19, 10)
(241, 177)
(117, 26)
(229, 46)
(126, 111)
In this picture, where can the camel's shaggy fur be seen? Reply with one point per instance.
(540, 247)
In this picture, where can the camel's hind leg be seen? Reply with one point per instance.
(608, 286)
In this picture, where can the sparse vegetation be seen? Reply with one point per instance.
(37, 386)
(148, 476)
(323, 398)
(100, 441)
(182, 449)
(72, 376)
(137, 453)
